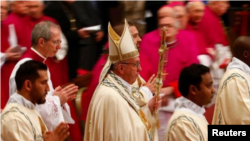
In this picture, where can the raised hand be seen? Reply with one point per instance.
(153, 105)
(60, 133)
(13, 54)
(67, 93)
(151, 84)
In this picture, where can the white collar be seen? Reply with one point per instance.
(17, 98)
(125, 83)
(238, 64)
(38, 53)
(184, 103)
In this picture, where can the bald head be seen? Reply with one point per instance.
(4, 9)
(195, 11)
(165, 11)
(241, 49)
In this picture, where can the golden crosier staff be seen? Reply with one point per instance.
(158, 85)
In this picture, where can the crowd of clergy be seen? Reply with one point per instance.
(206, 75)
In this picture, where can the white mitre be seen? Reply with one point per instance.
(121, 48)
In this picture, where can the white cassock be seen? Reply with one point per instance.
(51, 111)
(187, 122)
(20, 121)
(233, 100)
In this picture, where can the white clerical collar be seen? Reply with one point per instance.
(238, 64)
(186, 104)
(17, 98)
(38, 53)
(126, 84)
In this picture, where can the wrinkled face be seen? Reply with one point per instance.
(20, 7)
(221, 7)
(69, 1)
(196, 12)
(52, 45)
(4, 10)
(35, 9)
(181, 16)
(206, 92)
(131, 68)
(135, 35)
(169, 23)
(40, 88)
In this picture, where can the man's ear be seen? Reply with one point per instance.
(41, 41)
(192, 89)
(120, 68)
(27, 85)
(246, 54)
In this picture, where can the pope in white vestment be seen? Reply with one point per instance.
(114, 113)
(233, 100)
(26, 122)
(187, 123)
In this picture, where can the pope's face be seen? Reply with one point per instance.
(131, 68)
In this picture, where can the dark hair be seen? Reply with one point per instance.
(28, 71)
(191, 75)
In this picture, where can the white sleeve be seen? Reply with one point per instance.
(62, 52)
(51, 112)
(147, 92)
(3, 58)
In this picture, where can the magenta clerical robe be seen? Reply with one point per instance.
(212, 29)
(201, 42)
(23, 30)
(7, 67)
(182, 53)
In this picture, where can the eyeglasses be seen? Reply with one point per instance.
(56, 43)
(134, 64)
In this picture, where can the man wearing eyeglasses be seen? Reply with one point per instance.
(46, 41)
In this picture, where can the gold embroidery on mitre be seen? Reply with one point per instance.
(114, 58)
(116, 45)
